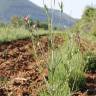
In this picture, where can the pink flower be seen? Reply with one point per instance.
(26, 18)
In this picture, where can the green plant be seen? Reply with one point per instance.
(65, 74)
(3, 81)
(90, 62)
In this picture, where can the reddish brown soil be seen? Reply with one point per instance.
(90, 85)
(19, 66)
(85, 45)
(21, 72)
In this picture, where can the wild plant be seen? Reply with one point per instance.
(65, 71)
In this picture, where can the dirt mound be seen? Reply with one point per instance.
(20, 68)
(21, 72)
(85, 45)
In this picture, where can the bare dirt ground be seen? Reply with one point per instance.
(21, 72)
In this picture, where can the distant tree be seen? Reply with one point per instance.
(44, 25)
(14, 21)
(2, 24)
(90, 14)
(38, 23)
(20, 21)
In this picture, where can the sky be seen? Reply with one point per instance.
(74, 8)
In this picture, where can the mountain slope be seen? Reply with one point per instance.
(9, 8)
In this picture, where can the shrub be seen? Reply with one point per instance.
(90, 62)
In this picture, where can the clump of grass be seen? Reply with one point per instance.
(3, 81)
(90, 64)
(10, 33)
(65, 64)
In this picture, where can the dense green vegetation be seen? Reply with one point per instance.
(10, 34)
(66, 75)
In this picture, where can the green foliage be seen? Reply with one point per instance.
(86, 26)
(17, 21)
(14, 21)
(77, 81)
(10, 33)
(3, 81)
(43, 26)
(87, 30)
(66, 66)
(90, 14)
(75, 59)
(2, 25)
(66, 70)
(90, 62)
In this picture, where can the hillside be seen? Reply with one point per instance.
(9, 8)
